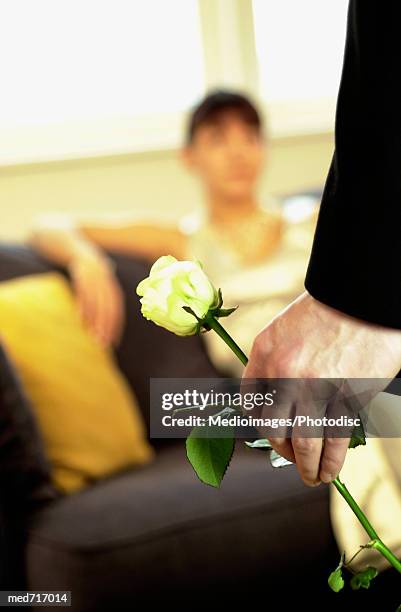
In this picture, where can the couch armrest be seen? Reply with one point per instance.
(24, 473)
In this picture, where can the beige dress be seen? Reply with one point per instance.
(371, 473)
(261, 290)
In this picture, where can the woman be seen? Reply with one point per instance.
(255, 253)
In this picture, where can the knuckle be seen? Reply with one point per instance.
(258, 349)
(304, 446)
(332, 444)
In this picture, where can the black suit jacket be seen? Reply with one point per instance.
(355, 263)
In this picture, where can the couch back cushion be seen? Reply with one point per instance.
(87, 415)
(20, 260)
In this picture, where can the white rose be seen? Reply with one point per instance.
(172, 284)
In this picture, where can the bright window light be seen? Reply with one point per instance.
(79, 60)
(300, 47)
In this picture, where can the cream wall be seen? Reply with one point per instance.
(150, 184)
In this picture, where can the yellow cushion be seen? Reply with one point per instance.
(89, 420)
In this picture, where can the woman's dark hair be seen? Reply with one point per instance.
(217, 102)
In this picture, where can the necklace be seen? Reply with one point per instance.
(253, 238)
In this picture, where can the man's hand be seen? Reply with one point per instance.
(311, 340)
(99, 295)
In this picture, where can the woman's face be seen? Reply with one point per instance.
(228, 156)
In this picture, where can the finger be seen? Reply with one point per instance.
(308, 429)
(284, 409)
(103, 313)
(86, 302)
(107, 313)
(279, 414)
(118, 315)
(307, 453)
(113, 312)
(283, 447)
(336, 436)
(333, 457)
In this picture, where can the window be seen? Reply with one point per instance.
(70, 62)
(299, 48)
(100, 77)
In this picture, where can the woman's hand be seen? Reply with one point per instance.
(100, 298)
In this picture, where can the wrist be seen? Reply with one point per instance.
(86, 253)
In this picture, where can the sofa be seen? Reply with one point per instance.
(157, 531)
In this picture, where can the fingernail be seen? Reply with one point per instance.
(326, 477)
(312, 483)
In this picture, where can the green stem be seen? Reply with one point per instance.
(219, 329)
(362, 518)
(386, 552)
(358, 552)
(340, 486)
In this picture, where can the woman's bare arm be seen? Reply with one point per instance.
(61, 239)
(81, 248)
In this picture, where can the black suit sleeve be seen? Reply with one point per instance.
(355, 263)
